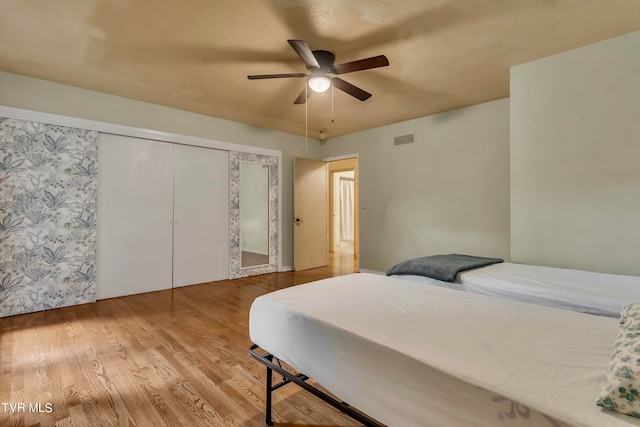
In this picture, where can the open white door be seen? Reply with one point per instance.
(310, 214)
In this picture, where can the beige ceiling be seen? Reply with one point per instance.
(195, 54)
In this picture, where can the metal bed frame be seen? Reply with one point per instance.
(267, 359)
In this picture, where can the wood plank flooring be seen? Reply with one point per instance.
(168, 358)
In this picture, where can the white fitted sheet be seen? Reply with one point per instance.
(414, 355)
(587, 292)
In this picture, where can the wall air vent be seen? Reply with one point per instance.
(404, 139)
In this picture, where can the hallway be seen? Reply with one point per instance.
(342, 263)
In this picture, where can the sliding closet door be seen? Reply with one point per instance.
(201, 215)
(135, 213)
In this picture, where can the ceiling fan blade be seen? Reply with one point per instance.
(304, 95)
(305, 53)
(362, 64)
(352, 90)
(275, 76)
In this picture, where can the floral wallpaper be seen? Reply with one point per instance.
(47, 216)
(235, 269)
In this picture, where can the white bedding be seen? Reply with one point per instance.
(587, 292)
(413, 355)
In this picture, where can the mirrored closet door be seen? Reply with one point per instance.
(254, 214)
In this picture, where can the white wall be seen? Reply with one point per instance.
(575, 152)
(446, 193)
(39, 95)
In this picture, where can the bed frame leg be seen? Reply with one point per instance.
(300, 379)
(269, 387)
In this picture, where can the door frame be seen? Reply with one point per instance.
(355, 156)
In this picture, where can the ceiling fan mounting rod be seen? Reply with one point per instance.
(325, 59)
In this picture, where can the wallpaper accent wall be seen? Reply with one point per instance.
(47, 216)
(235, 269)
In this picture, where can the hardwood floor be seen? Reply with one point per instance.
(168, 358)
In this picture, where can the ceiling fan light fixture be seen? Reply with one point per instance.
(321, 63)
(319, 83)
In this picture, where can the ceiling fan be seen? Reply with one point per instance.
(321, 64)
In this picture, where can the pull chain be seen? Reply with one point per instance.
(306, 122)
(332, 116)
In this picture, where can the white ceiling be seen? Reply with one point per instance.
(195, 54)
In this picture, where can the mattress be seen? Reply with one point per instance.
(413, 355)
(587, 292)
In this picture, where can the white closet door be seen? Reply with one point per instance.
(201, 215)
(135, 213)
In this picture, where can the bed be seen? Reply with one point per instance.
(583, 291)
(407, 355)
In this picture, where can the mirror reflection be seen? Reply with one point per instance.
(254, 214)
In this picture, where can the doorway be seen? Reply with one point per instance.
(343, 211)
(318, 239)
